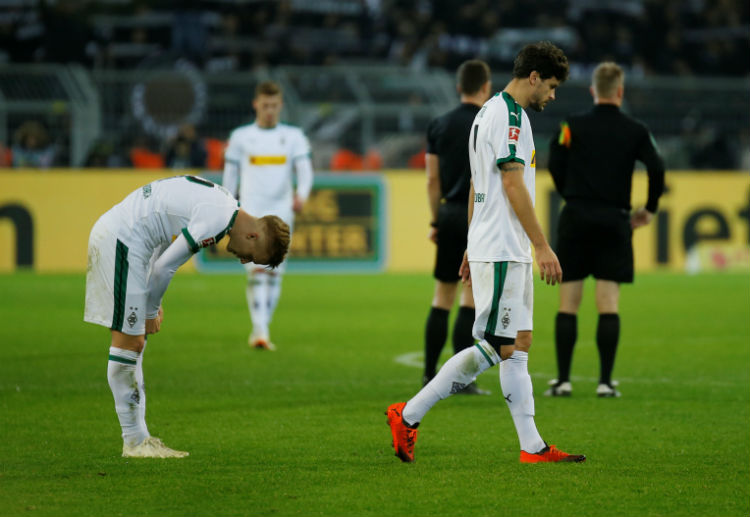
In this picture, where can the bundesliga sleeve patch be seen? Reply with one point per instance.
(564, 138)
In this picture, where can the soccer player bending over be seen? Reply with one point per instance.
(502, 226)
(134, 250)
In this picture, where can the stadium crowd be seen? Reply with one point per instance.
(695, 38)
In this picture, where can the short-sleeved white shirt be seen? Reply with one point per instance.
(151, 217)
(501, 133)
(265, 158)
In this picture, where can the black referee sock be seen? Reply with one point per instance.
(462, 329)
(566, 333)
(436, 331)
(607, 336)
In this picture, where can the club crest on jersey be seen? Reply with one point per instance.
(506, 317)
(207, 242)
(513, 133)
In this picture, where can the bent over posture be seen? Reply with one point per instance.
(502, 225)
(134, 250)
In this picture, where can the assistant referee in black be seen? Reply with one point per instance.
(448, 182)
(592, 162)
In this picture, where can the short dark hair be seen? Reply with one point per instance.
(545, 58)
(472, 75)
(267, 88)
(277, 236)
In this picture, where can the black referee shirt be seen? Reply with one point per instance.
(448, 138)
(593, 157)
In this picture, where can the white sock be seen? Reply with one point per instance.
(518, 392)
(453, 376)
(274, 292)
(142, 389)
(257, 302)
(121, 373)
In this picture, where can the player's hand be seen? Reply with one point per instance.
(640, 217)
(297, 204)
(465, 271)
(433, 235)
(549, 266)
(154, 325)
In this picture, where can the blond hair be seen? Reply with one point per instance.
(267, 88)
(277, 239)
(606, 79)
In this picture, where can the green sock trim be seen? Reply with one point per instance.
(484, 353)
(123, 360)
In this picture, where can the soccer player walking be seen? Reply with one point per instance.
(259, 166)
(134, 250)
(448, 183)
(502, 226)
(591, 162)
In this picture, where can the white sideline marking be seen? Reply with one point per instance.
(416, 360)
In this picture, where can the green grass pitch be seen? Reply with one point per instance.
(301, 431)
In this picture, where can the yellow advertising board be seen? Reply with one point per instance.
(698, 208)
(46, 216)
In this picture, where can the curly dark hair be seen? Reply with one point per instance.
(278, 239)
(543, 57)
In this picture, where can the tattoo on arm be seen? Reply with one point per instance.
(511, 166)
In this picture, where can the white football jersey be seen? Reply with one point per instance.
(501, 133)
(150, 218)
(264, 160)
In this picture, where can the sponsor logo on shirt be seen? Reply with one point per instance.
(513, 133)
(267, 160)
(207, 242)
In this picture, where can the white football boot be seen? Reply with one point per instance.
(151, 447)
(558, 389)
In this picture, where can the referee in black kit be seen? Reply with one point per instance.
(448, 181)
(591, 162)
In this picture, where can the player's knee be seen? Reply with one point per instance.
(523, 341)
(128, 342)
(504, 346)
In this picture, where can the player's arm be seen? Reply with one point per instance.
(304, 171)
(649, 155)
(520, 201)
(161, 274)
(231, 178)
(558, 156)
(464, 271)
(432, 167)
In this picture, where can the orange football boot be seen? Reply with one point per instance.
(404, 437)
(551, 454)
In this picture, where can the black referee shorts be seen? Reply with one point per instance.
(595, 240)
(452, 228)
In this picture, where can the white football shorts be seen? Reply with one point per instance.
(115, 282)
(503, 297)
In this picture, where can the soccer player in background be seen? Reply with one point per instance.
(502, 226)
(448, 183)
(259, 163)
(591, 162)
(134, 250)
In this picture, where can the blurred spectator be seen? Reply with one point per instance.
(31, 147)
(104, 154)
(143, 156)
(214, 153)
(185, 151)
